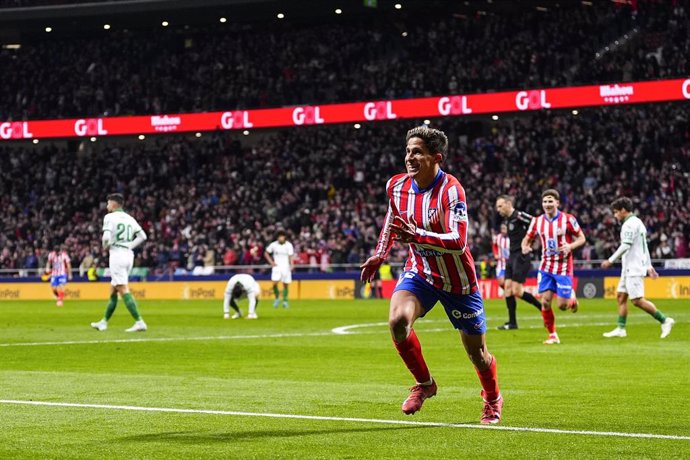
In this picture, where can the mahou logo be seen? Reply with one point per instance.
(616, 93)
(165, 124)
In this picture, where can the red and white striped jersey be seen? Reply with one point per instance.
(439, 253)
(58, 262)
(554, 233)
(501, 249)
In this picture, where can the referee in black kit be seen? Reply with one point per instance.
(518, 264)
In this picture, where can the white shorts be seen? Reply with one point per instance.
(631, 285)
(281, 274)
(120, 265)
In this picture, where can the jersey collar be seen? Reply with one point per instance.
(438, 177)
(558, 213)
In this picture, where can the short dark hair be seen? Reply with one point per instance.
(622, 202)
(237, 290)
(434, 139)
(280, 233)
(117, 198)
(551, 192)
(507, 198)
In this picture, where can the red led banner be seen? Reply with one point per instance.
(457, 105)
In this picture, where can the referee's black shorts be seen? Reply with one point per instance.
(517, 267)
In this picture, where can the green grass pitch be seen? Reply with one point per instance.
(289, 362)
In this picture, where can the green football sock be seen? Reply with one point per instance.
(621, 321)
(659, 316)
(110, 309)
(131, 306)
(276, 292)
(285, 293)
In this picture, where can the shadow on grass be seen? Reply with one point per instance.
(195, 437)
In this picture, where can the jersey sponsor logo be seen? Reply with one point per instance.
(460, 211)
(428, 253)
(457, 314)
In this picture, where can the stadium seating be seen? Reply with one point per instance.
(178, 69)
(218, 199)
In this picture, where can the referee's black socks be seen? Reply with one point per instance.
(511, 304)
(529, 298)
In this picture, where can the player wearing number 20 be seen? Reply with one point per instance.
(121, 234)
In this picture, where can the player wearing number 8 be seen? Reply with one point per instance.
(121, 234)
(560, 235)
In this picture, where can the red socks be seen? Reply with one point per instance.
(489, 379)
(410, 350)
(61, 295)
(549, 320)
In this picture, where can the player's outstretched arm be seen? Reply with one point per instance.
(370, 267)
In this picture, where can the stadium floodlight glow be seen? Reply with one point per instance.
(245, 132)
(49, 29)
(357, 126)
(93, 139)
(141, 137)
(223, 20)
(198, 135)
(427, 122)
(280, 16)
(165, 23)
(106, 26)
(575, 112)
(35, 141)
(404, 34)
(398, 6)
(338, 11)
(494, 117)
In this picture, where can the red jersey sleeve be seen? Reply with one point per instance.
(573, 226)
(454, 239)
(532, 229)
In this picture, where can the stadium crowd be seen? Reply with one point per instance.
(218, 199)
(223, 67)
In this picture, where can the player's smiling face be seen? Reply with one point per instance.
(421, 164)
(550, 205)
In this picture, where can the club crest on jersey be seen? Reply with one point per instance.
(460, 211)
(432, 215)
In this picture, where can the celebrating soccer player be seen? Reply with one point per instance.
(60, 269)
(427, 209)
(560, 235)
(121, 234)
(518, 263)
(636, 265)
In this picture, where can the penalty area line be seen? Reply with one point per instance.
(349, 419)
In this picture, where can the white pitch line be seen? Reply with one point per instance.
(353, 419)
(349, 330)
(166, 339)
(343, 330)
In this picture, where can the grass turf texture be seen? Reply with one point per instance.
(635, 385)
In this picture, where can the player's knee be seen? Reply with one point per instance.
(638, 302)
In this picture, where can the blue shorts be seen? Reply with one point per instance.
(501, 273)
(562, 285)
(58, 280)
(465, 311)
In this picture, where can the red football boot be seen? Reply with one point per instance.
(418, 394)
